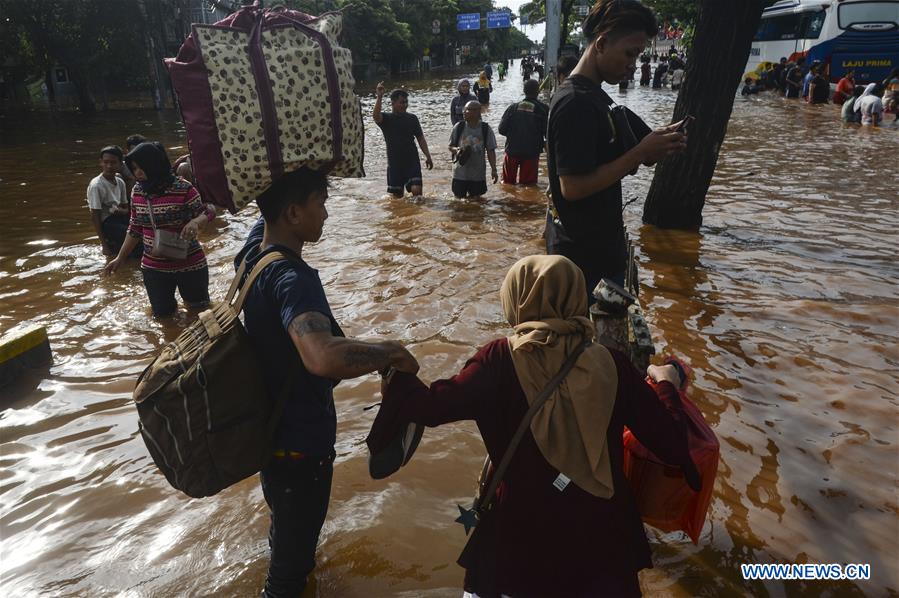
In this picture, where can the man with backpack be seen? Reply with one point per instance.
(303, 354)
(524, 125)
(469, 141)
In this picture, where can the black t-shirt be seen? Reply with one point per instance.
(400, 131)
(283, 291)
(524, 125)
(794, 76)
(582, 136)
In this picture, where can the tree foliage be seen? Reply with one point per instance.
(536, 11)
(95, 40)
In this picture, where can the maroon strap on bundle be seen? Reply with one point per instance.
(266, 99)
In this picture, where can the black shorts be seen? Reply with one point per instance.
(406, 177)
(469, 188)
(193, 286)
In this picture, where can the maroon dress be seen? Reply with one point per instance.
(536, 540)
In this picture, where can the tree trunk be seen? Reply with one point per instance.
(721, 45)
(51, 90)
(81, 79)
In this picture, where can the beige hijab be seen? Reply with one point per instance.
(544, 298)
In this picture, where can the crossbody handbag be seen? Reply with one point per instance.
(484, 500)
(166, 244)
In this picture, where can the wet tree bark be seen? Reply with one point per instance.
(720, 49)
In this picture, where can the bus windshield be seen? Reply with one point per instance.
(869, 15)
(803, 25)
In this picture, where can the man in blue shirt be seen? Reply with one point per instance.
(303, 354)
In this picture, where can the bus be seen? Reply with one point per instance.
(862, 35)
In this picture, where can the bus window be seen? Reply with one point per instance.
(778, 28)
(811, 24)
(869, 15)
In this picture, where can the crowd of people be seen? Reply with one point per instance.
(669, 70)
(864, 104)
(545, 299)
(472, 142)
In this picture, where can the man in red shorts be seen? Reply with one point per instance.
(524, 125)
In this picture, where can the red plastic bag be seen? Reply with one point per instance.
(663, 497)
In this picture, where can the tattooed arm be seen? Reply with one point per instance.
(340, 358)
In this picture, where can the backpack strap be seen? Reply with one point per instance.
(235, 282)
(485, 128)
(457, 133)
(264, 261)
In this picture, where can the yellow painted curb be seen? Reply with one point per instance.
(16, 342)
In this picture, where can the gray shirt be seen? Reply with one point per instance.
(475, 169)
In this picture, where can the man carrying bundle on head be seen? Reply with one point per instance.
(303, 354)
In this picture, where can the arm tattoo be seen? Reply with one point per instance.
(311, 321)
(368, 357)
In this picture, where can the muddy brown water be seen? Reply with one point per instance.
(785, 304)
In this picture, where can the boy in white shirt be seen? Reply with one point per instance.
(108, 202)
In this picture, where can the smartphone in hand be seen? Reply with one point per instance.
(682, 128)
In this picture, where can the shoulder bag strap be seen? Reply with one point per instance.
(485, 499)
(150, 212)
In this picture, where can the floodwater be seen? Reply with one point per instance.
(785, 304)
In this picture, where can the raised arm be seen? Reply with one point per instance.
(379, 94)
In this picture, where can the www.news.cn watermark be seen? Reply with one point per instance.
(853, 571)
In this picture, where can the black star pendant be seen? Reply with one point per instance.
(467, 517)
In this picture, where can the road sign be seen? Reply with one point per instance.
(523, 19)
(582, 10)
(435, 26)
(468, 21)
(498, 20)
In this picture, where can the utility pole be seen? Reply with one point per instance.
(553, 33)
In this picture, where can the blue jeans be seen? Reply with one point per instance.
(297, 492)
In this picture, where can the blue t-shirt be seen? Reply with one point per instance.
(283, 291)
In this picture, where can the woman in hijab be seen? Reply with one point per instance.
(482, 88)
(543, 535)
(457, 106)
(869, 107)
(166, 214)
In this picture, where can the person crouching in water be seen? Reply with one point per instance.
(401, 129)
(163, 204)
(563, 521)
(469, 141)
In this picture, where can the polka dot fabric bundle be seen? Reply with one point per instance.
(262, 93)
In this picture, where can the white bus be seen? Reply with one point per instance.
(862, 35)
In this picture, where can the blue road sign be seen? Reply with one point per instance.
(468, 21)
(498, 20)
(523, 19)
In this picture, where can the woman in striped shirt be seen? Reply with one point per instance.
(163, 204)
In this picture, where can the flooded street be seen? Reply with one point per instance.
(785, 303)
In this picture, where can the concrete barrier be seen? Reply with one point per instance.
(21, 349)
